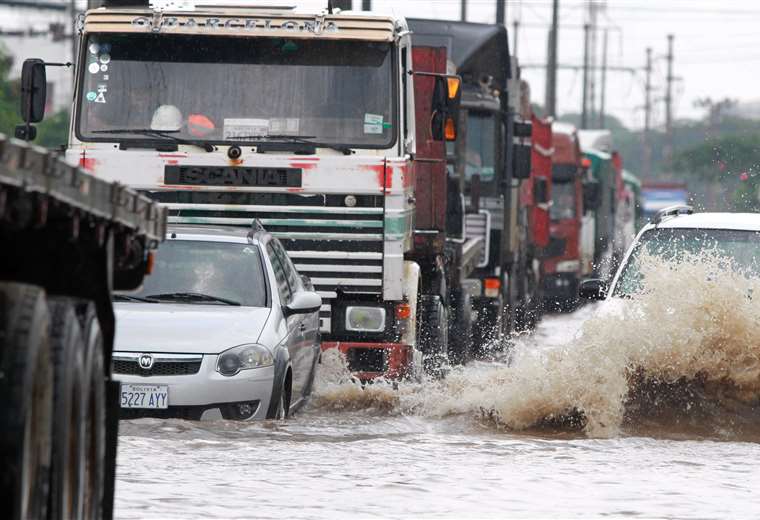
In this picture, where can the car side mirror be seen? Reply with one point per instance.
(593, 289)
(304, 302)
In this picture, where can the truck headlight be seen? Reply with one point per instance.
(365, 319)
(243, 357)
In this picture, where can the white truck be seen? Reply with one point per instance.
(327, 126)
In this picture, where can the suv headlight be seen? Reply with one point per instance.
(243, 357)
(365, 319)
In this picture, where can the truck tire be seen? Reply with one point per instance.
(26, 415)
(95, 413)
(486, 329)
(67, 465)
(433, 334)
(460, 327)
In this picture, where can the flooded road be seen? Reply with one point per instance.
(427, 452)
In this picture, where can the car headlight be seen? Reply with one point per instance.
(243, 357)
(365, 319)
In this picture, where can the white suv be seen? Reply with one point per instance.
(676, 229)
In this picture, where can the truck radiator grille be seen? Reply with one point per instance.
(478, 225)
(334, 245)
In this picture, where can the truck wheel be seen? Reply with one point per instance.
(95, 413)
(68, 419)
(460, 327)
(485, 330)
(26, 387)
(433, 334)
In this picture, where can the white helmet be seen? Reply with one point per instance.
(166, 118)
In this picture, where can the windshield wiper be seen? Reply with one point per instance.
(161, 134)
(191, 297)
(127, 298)
(300, 139)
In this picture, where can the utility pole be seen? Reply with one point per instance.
(501, 12)
(74, 40)
(551, 68)
(515, 29)
(584, 106)
(602, 122)
(592, 20)
(366, 5)
(647, 137)
(668, 151)
(463, 14)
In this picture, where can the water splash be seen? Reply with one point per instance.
(686, 349)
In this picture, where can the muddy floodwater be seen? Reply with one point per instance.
(621, 416)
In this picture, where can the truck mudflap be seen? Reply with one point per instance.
(372, 360)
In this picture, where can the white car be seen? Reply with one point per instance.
(223, 328)
(678, 228)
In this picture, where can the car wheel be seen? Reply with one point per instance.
(281, 410)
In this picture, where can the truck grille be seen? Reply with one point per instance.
(478, 225)
(334, 245)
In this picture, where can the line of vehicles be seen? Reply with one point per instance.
(330, 180)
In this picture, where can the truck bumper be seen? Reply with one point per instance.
(561, 291)
(371, 360)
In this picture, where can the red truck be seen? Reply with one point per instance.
(563, 264)
(535, 198)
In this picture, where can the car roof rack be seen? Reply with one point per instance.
(672, 211)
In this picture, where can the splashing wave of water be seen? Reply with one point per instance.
(685, 351)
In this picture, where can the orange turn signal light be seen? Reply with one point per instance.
(450, 130)
(586, 162)
(150, 262)
(453, 83)
(492, 283)
(403, 311)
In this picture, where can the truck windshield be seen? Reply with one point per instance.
(219, 89)
(481, 146)
(563, 200)
(671, 244)
(188, 271)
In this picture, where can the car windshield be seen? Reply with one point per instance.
(563, 200)
(219, 89)
(188, 271)
(671, 244)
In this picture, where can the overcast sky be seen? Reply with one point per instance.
(717, 46)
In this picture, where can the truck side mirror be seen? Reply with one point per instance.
(33, 97)
(593, 289)
(447, 94)
(522, 152)
(541, 191)
(33, 90)
(592, 192)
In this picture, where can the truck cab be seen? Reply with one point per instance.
(304, 120)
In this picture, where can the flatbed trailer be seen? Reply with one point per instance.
(67, 240)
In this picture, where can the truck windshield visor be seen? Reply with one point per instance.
(672, 244)
(227, 271)
(226, 89)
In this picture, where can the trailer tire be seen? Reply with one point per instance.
(68, 456)
(460, 327)
(26, 386)
(95, 413)
(433, 334)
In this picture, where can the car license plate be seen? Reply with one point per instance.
(144, 396)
